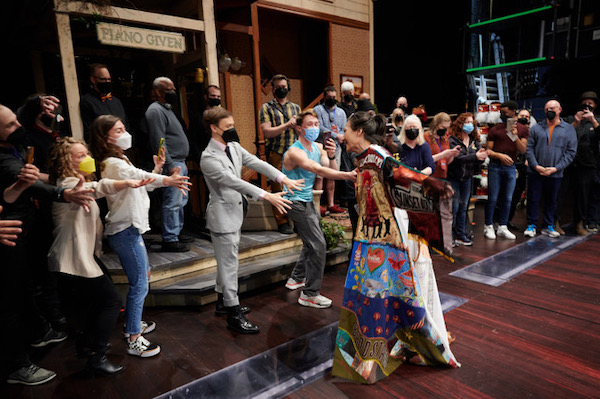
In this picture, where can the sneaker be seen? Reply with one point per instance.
(592, 228)
(294, 285)
(503, 231)
(488, 232)
(550, 232)
(530, 232)
(142, 347)
(174, 246)
(145, 328)
(185, 238)
(324, 211)
(335, 209)
(51, 337)
(317, 301)
(467, 242)
(285, 228)
(31, 375)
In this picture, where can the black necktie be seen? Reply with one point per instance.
(228, 154)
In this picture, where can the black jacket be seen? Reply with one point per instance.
(465, 164)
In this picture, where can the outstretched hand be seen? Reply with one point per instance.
(79, 195)
(178, 181)
(140, 183)
(292, 185)
(280, 203)
(159, 161)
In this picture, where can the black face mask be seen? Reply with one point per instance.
(230, 135)
(214, 102)
(171, 97)
(281, 92)
(348, 98)
(398, 118)
(441, 132)
(411, 134)
(330, 102)
(523, 121)
(104, 87)
(17, 137)
(550, 115)
(404, 108)
(503, 118)
(47, 120)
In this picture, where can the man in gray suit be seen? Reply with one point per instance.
(221, 165)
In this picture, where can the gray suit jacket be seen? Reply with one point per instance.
(225, 213)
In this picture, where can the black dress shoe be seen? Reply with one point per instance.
(512, 226)
(222, 310)
(285, 229)
(237, 322)
(186, 238)
(99, 364)
(175, 246)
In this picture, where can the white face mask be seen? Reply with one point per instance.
(124, 141)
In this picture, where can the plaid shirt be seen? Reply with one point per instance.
(278, 114)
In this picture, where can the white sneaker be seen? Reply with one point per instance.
(142, 347)
(145, 328)
(294, 285)
(503, 231)
(318, 301)
(488, 232)
(530, 232)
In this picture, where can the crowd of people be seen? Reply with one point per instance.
(53, 218)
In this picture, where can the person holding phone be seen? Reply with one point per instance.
(504, 142)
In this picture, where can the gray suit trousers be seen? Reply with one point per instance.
(311, 263)
(226, 247)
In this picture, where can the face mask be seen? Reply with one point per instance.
(46, 120)
(171, 97)
(281, 92)
(398, 118)
(311, 133)
(468, 128)
(503, 118)
(411, 134)
(523, 121)
(550, 115)
(214, 102)
(124, 141)
(104, 87)
(230, 135)
(88, 165)
(17, 137)
(441, 132)
(348, 98)
(404, 108)
(330, 102)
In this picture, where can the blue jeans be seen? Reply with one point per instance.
(460, 205)
(501, 179)
(537, 186)
(172, 209)
(129, 246)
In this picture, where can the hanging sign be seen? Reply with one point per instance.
(128, 36)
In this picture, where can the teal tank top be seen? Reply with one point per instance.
(306, 193)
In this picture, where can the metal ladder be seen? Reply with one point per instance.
(492, 87)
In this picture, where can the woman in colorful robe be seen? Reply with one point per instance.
(391, 312)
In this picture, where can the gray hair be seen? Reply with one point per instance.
(347, 86)
(402, 135)
(157, 83)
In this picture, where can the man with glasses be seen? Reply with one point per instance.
(100, 100)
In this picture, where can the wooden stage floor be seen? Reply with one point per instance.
(536, 336)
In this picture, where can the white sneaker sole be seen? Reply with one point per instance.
(148, 353)
(294, 286)
(311, 304)
(11, 381)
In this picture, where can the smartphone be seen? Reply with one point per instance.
(326, 136)
(160, 146)
(29, 156)
(57, 115)
(509, 124)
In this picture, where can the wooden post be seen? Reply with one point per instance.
(210, 38)
(371, 52)
(67, 58)
(257, 88)
(330, 57)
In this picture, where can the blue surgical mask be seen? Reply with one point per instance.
(311, 133)
(468, 128)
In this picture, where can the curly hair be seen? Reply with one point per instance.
(457, 126)
(60, 161)
(99, 145)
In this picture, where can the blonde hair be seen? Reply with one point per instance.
(437, 120)
(402, 135)
(395, 112)
(60, 161)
